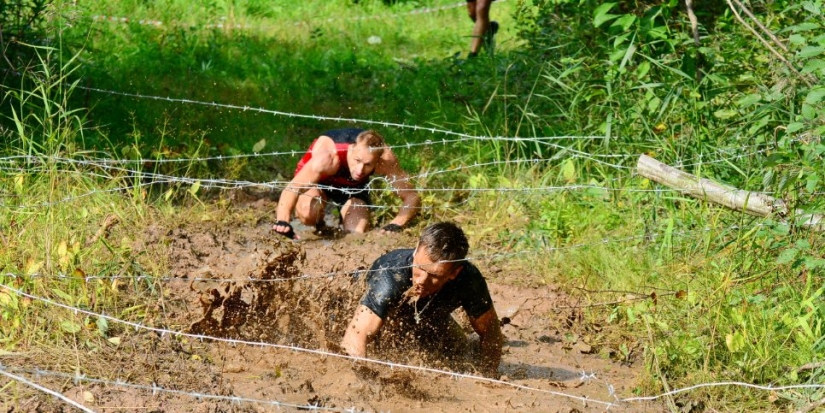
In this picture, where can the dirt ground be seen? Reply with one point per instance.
(232, 278)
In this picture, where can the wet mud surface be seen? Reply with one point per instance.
(234, 279)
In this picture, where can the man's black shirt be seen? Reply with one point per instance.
(391, 276)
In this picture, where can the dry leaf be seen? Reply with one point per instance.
(32, 266)
(5, 298)
(659, 128)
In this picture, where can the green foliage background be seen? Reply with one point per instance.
(697, 293)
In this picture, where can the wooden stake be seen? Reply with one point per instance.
(752, 203)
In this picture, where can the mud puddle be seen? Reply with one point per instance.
(235, 279)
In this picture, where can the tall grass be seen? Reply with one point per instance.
(311, 58)
(62, 219)
(695, 292)
(716, 295)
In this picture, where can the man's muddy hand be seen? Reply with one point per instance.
(284, 228)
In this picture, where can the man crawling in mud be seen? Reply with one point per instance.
(416, 290)
(337, 168)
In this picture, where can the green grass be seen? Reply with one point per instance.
(319, 67)
(695, 292)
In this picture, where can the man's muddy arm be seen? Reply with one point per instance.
(363, 327)
(410, 204)
(488, 328)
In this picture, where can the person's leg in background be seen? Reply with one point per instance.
(479, 12)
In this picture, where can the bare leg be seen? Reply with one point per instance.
(471, 10)
(481, 16)
(356, 216)
(310, 207)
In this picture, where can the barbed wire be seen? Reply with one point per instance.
(720, 160)
(725, 384)
(239, 184)
(584, 377)
(228, 184)
(432, 130)
(538, 191)
(292, 153)
(221, 184)
(235, 183)
(365, 272)
(154, 388)
(324, 353)
(104, 162)
(462, 137)
(44, 389)
(576, 154)
(101, 162)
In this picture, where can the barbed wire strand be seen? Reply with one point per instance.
(226, 184)
(67, 199)
(536, 190)
(154, 388)
(237, 184)
(585, 376)
(433, 130)
(106, 163)
(678, 162)
(44, 389)
(323, 353)
(725, 384)
(462, 136)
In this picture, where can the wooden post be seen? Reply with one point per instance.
(749, 202)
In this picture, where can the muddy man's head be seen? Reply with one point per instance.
(438, 257)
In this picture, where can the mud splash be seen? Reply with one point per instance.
(258, 292)
(234, 278)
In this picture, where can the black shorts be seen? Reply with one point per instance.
(339, 197)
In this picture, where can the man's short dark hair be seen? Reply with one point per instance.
(444, 241)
